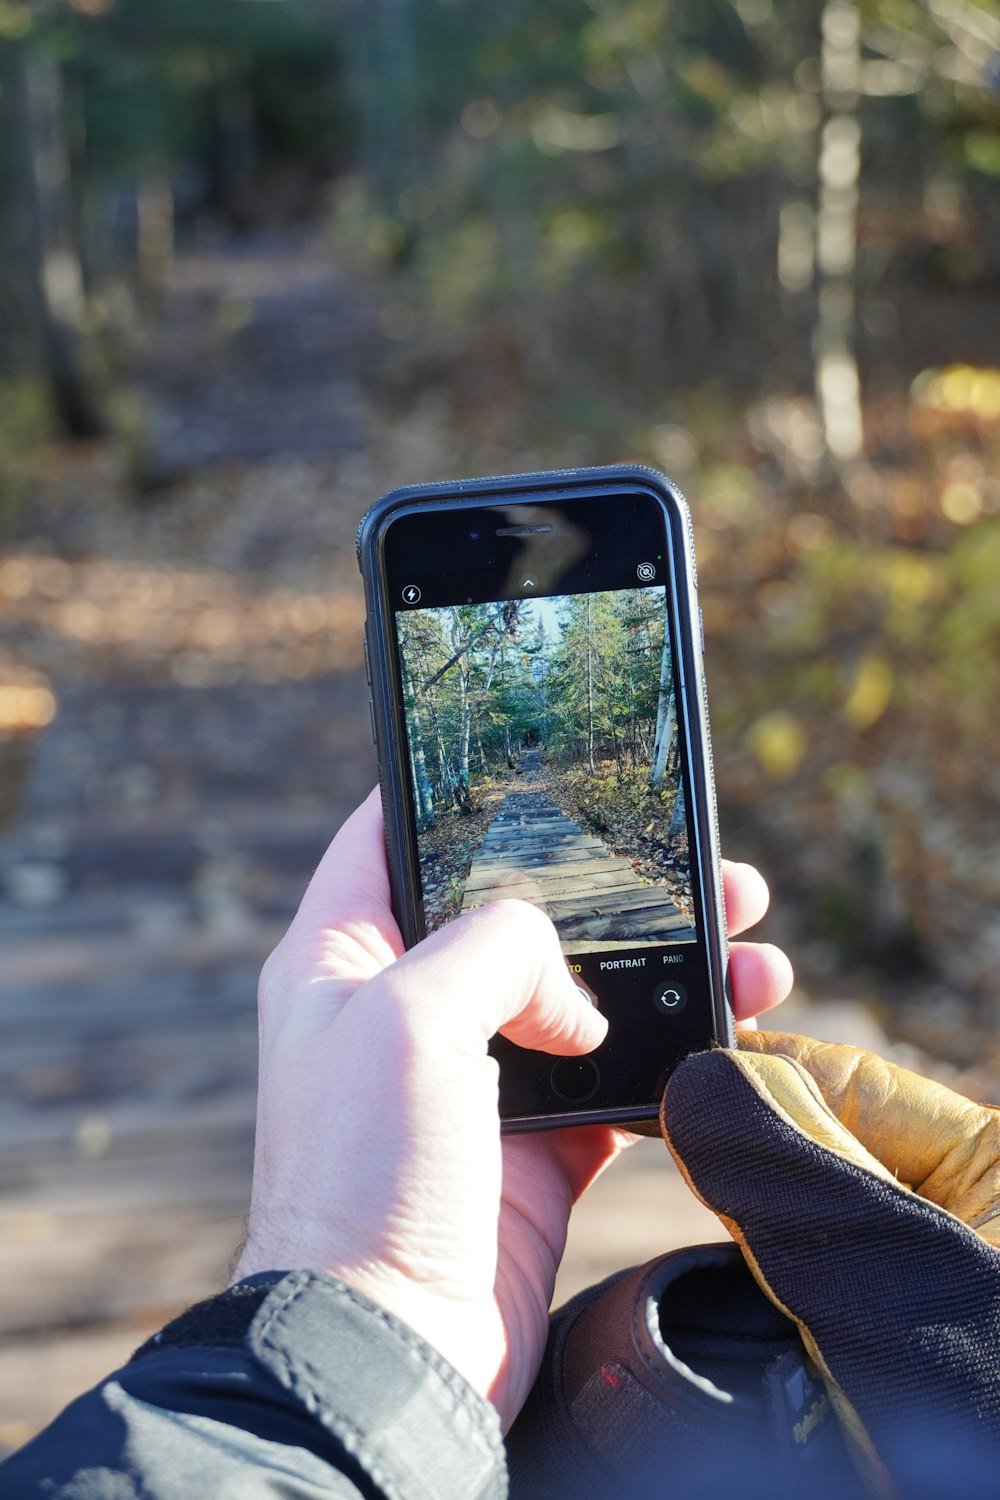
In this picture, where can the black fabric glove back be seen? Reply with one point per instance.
(866, 1201)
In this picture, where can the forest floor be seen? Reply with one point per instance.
(183, 725)
(448, 849)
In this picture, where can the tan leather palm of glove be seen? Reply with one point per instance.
(866, 1201)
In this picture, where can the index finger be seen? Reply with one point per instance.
(747, 896)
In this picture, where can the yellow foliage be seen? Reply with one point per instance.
(961, 503)
(704, 76)
(572, 237)
(731, 495)
(975, 562)
(959, 388)
(779, 741)
(870, 692)
(911, 578)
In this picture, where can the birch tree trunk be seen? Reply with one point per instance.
(666, 718)
(465, 731)
(424, 796)
(838, 384)
(464, 708)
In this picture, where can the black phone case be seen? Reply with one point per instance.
(389, 730)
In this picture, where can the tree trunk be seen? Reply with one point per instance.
(415, 793)
(381, 52)
(666, 719)
(465, 729)
(428, 700)
(678, 818)
(234, 158)
(424, 797)
(590, 685)
(58, 275)
(444, 764)
(838, 384)
(616, 742)
(154, 232)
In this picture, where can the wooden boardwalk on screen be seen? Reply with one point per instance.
(534, 852)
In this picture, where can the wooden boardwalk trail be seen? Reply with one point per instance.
(128, 1032)
(534, 852)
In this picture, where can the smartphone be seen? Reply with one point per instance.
(534, 654)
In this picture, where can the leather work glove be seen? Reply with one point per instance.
(866, 1202)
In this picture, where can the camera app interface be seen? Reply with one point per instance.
(546, 764)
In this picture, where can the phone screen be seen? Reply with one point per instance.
(541, 689)
(559, 717)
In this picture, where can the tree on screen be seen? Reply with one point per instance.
(588, 684)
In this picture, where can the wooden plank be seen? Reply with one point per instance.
(626, 926)
(515, 809)
(540, 817)
(533, 897)
(530, 837)
(530, 834)
(613, 875)
(537, 859)
(484, 875)
(121, 1010)
(576, 945)
(635, 898)
(549, 896)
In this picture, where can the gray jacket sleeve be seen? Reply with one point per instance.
(292, 1385)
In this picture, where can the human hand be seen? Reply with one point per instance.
(866, 1201)
(378, 1152)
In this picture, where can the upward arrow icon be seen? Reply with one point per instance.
(529, 583)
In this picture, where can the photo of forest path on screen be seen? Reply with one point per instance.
(544, 764)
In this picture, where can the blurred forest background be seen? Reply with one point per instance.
(262, 259)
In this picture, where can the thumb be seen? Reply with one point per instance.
(521, 985)
(897, 1300)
